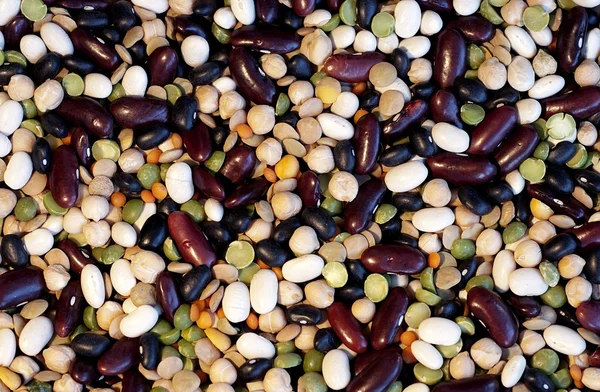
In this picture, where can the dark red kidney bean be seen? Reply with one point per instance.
(267, 11)
(90, 344)
(485, 383)
(363, 361)
(133, 381)
(77, 259)
(207, 183)
(594, 358)
(207, 73)
(83, 370)
(122, 356)
(581, 103)
(461, 169)
(495, 315)
(167, 294)
(559, 246)
(304, 314)
(320, 221)
(190, 240)
(193, 282)
(80, 141)
(366, 140)
(437, 5)
(347, 328)
(351, 68)
(562, 204)
(475, 28)
(450, 58)
(69, 309)
(366, 10)
(474, 200)
(516, 148)
(571, 39)
(247, 194)
(84, 4)
(90, 46)
(151, 136)
(20, 286)
(154, 232)
(64, 177)
(588, 314)
(303, 7)
(162, 66)
(388, 318)
(398, 127)
(523, 306)
(444, 108)
(309, 189)
(239, 164)
(137, 112)
(266, 39)
(13, 251)
(397, 259)
(198, 142)
(16, 29)
(271, 253)
(88, 113)
(359, 212)
(588, 235)
(252, 83)
(344, 156)
(379, 375)
(488, 134)
(186, 26)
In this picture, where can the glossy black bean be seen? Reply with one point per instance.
(503, 96)
(154, 232)
(309, 189)
(92, 19)
(400, 61)
(561, 153)
(237, 220)
(128, 184)
(343, 156)
(405, 239)
(78, 65)
(90, 344)
(359, 212)
(289, 19)
(485, 383)
(572, 34)
(219, 135)
(349, 294)
(183, 113)
(151, 136)
(356, 272)
(84, 4)
(423, 90)
(110, 35)
(588, 180)
(247, 193)
(41, 156)
(566, 316)
(326, 340)
(592, 266)
(406, 201)
(396, 155)
(217, 234)
(187, 25)
(122, 15)
(467, 269)
(80, 141)
(536, 381)
(444, 108)
(470, 90)
(304, 315)
(422, 142)
(559, 179)
(254, 369)
(206, 73)
(78, 258)
(448, 309)
(290, 118)
(167, 294)
(519, 145)
(13, 251)
(100, 53)
(367, 143)
(88, 113)
(83, 370)
(265, 39)
(474, 200)
(206, 7)
(559, 246)
(284, 230)
(193, 282)
(561, 204)
(351, 68)
(167, 206)
(299, 67)
(526, 307)
(137, 112)
(7, 71)
(450, 58)
(499, 192)
(150, 350)
(252, 83)
(437, 5)
(267, 11)
(16, 29)
(122, 356)
(398, 127)
(239, 164)
(320, 221)
(366, 10)
(271, 252)
(369, 100)
(47, 67)
(522, 210)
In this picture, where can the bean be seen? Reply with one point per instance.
(81, 144)
(120, 357)
(265, 39)
(347, 327)
(83, 371)
(387, 320)
(191, 241)
(393, 259)
(90, 46)
(208, 184)
(524, 306)
(162, 65)
(304, 315)
(587, 315)
(559, 203)
(379, 375)
(475, 28)
(247, 193)
(21, 285)
(239, 163)
(494, 314)
(444, 108)
(13, 251)
(90, 344)
(252, 84)
(344, 156)
(587, 234)
(366, 143)
(309, 189)
(516, 148)
(581, 103)
(573, 30)
(461, 170)
(398, 126)
(437, 5)
(320, 221)
(167, 294)
(492, 130)
(351, 68)
(87, 113)
(139, 112)
(485, 383)
(450, 57)
(474, 200)
(134, 381)
(359, 212)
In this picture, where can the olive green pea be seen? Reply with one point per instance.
(148, 174)
(545, 360)
(29, 109)
(111, 254)
(331, 23)
(39, 386)
(472, 114)
(316, 78)
(427, 280)
(170, 250)
(480, 281)
(467, 326)
(312, 382)
(313, 361)
(78, 239)
(514, 232)
(427, 297)
(170, 337)
(416, 313)
(52, 207)
(97, 254)
(542, 150)
(188, 364)
(161, 327)
(106, 149)
(195, 210)
(163, 170)
(285, 347)
(181, 319)
(34, 126)
(173, 93)
(332, 206)
(426, 375)
(287, 360)
(446, 369)
(193, 333)
(550, 273)
(132, 210)
(89, 318)
(168, 351)
(463, 249)
(246, 274)
(63, 235)
(12, 56)
(476, 56)
(79, 330)
(186, 349)
(118, 91)
(384, 213)
(158, 389)
(222, 35)
(74, 85)
(335, 274)
(282, 105)
(450, 351)
(342, 237)
(25, 209)
(215, 161)
(562, 378)
(554, 297)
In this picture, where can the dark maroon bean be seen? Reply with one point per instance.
(247, 194)
(475, 28)
(594, 358)
(437, 5)
(379, 375)
(20, 286)
(16, 29)
(138, 112)
(413, 114)
(524, 306)
(162, 66)
(359, 212)
(84, 4)
(485, 383)
(461, 169)
(309, 189)
(397, 259)
(517, 147)
(351, 68)
(64, 177)
(562, 204)
(167, 294)
(265, 39)
(588, 314)
(239, 164)
(491, 310)
(366, 140)
(252, 83)
(444, 108)
(69, 309)
(133, 381)
(80, 141)
(267, 11)
(90, 46)
(83, 370)
(207, 183)
(581, 103)
(190, 240)
(303, 7)
(363, 361)
(488, 134)
(346, 327)
(88, 113)
(198, 142)
(450, 58)
(90, 344)
(571, 36)
(186, 26)
(588, 235)
(77, 259)
(334, 5)
(388, 318)
(122, 356)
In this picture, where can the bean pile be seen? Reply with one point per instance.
(299, 195)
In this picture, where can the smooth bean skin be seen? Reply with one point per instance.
(265, 39)
(77, 260)
(559, 246)
(254, 369)
(247, 193)
(344, 156)
(90, 344)
(537, 381)
(471, 90)
(485, 383)
(437, 5)
(570, 45)
(167, 294)
(581, 103)
(379, 375)
(123, 16)
(133, 381)
(20, 286)
(495, 315)
(334, 5)
(326, 340)
(303, 7)
(388, 318)
(475, 28)
(588, 314)
(207, 183)
(588, 235)
(362, 361)
(562, 204)
(346, 327)
(7, 71)
(149, 350)
(351, 68)
(251, 83)
(366, 10)
(239, 164)
(154, 232)
(78, 65)
(488, 134)
(84, 4)
(122, 356)
(198, 142)
(69, 308)
(271, 253)
(207, 73)
(304, 315)
(309, 189)
(450, 58)
(267, 11)
(193, 282)
(398, 259)
(63, 180)
(54, 125)
(396, 155)
(523, 306)
(588, 180)
(137, 112)
(83, 370)
(13, 251)
(516, 148)
(187, 26)
(81, 144)
(190, 240)
(88, 45)
(592, 266)
(559, 179)
(359, 212)
(88, 113)
(398, 127)
(460, 169)
(444, 108)
(152, 136)
(594, 358)
(162, 66)
(320, 221)
(92, 20)
(366, 143)
(16, 29)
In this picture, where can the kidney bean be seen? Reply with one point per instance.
(77, 259)
(16, 29)
(351, 68)
(461, 169)
(198, 142)
(252, 83)
(122, 356)
(450, 58)
(83, 370)
(494, 314)
(326, 340)
(190, 240)
(398, 259)
(247, 193)
(90, 344)
(516, 148)
(571, 37)
(581, 103)
(594, 358)
(81, 144)
(366, 143)
(346, 327)
(20, 286)
(363, 361)
(133, 381)
(588, 235)
(588, 314)
(265, 39)
(90, 46)
(84, 4)
(588, 180)
(267, 11)
(303, 7)
(359, 212)
(334, 5)
(309, 189)
(64, 177)
(304, 315)
(162, 66)
(562, 204)
(138, 112)
(474, 200)
(559, 246)
(485, 383)
(444, 108)
(523, 306)
(167, 294)
(366, 10)
(13, 251)
(388, 318)
(379, 375)
(87, 113)
(488, 134)
(437, 5)
(239, 164)
(475, 28)
(207, 183)
(398, 127)
(69, 308)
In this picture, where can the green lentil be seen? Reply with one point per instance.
(38, 386)
(193, 333)
(33, 10)
(579, 159)
(348, 12)
(315, 79)
(463, 249)
(78, 239)
(189, 364)
(89, 318)
(562, 378)
(542, 150)
(427, 297)
(476, 56)
(97, 254)
(285, 347)
(14, 57)
(342, 237)
(282, 105)
(163, 170)
(533, 169)
(450, 351)
(240, 254)
(312, 382)
(549, 273)
(514, 232)
(169, 351)
(331, 23)
(194, 209)
(29, 109)
(396, 387)
(480, 281)
(382, 24)
(81, 328)
(222, 35)
(25, 209)
(106, 149)
(467, 326)
(186, 349)
(488, 12)
(117, 92)
(536, 18)
(148, 174)
(73, 85)
(161, 327)
(332, 206)
(34, 126)
(173, 93)
(427, 279)
(313, 361)
(132, 210)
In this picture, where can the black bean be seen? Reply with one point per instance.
(559, 179)
(588, 180)
(405, 239)
(566, 316)
(500, 192)
(423, 90)
(326, 340)
(207, 73)
(151, 136)
(154, 232)
(536, 381)
(390, 229)
(320, 221)
(400, 60)
(304, 315)
(110, 35)
(370, 99)
(219, 135)
(422, 142)
(592, 266)
(448, 309)
(289, 19)
(128, 184)
(356, 271)
(561, 153)
(193, 282)
(149, 350)
(207, 7)
(47, 67)
(78, 65)
(90, 344)
(522, 210)
(284, 230)
(254, 369)
(349, 294)
(366, 10)
(183, 114)
(559, 246)
(300, 67)
(217, 234)
(467, 269)
(343, 155)
(92, 19)
(41, 156)
(406, 201)
(167, 206)
(504, 96)
(271, 253)
(122, 15)
(471, 90)
(7, 71)
(396, 155)
(13, 251)
(236, 220)
(474, 200)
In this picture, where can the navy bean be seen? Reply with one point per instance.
(562, 204)
(90, 344)
(571, 37)
(207, 183)
(351, 68)
(128, 184)
(398, 127)
(20, 286)
(366, 10)
(309, 189)
(190, 240)
(265, 39)
(344, 156)
(16, 29)
(304, 315)
(326, 340)
(151, 136)
(122, 15)
(77, 258)
(491, 310)
(489, 133)
(523, 306)
(47, 67)
(398, 259)
(536, 381)
(471, 90)
(519, 145)
(167, 294)
(359, 212)
(559, 179)
(149, 350)
(444, 108)
(450, 58)
(193, 282)
(198, 142)
(78, 65)
(396, 155)
(388, 318)
(474, 200)
(252, 83)
(137, 112)
(154, 232)
(13, 251)
(379, 375)
(87, 113)
(581, 103)
(69, 309)
(559, 246)
(237, 220)
(80, 141)
(366, 141)
(400, 60)
(284, 230)
(303, 7)
(247, 193)
(254, 369)
(83, 370)
(461, 169)
(475, 28)
(41, 156)
(239, 164)
(92, 20)
(207, 73)
(162, 66)
(267, 11)
(64, 177)
(485, 383)
(122, 356)
(88, 45)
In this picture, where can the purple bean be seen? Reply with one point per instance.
(571, 38)
(363, 361)
(80, 141)
(84, 4)
(303, 7)
(122, 356)
(266, 39)
(594, 358)
(198, 142)
(475, 28)
(20, 286)
(334, 5)
(461, 169)
(351, 68)
(207, 183)
(83, 370)
(485, 383)
(444, 108)
(190, 240)
(77, 259)
(581, 103)
(523, 306)
(309, 189)
(366, 140)
(88, 113)
(588, 314)
(488, 134)
(167, 294)
(437, 5)
(388, 318)
(517, 147)
(16, 29)
(359, 212)
(588, 235)
(561, 204)
(397, 259)
(379, 375)
(247, 193)
(64, 177)
(133, 381)
(186, 26)
(450, 58)
(239, 164)
(138, 112)
(162, 66)
(491, 310)
(252, 83)
(398, 127)
(90, 46)
(346, 327)
(69, 309)
(267, 11)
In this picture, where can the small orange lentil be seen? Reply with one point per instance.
(153, 156)
(206, 319)
(159, 190)
(176, 140)
(278, 273)
(434, 259)
(407, 338)
(118, 199)
(359, 114)
(252, 321)
(262, 265)
(147, 196)
(270, 175)
(66, 140)
(194, 312)
(244, 131)
(408, 356)
(359, 88)
(576, 373)
(221, 313)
